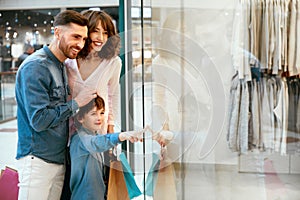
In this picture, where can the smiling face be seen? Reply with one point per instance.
(93, 119)
(98, 37)
(103, 37)
(71, 39)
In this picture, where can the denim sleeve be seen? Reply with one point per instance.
(99, 143)
(44, 102)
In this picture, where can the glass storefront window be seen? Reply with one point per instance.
(178, 78)
(185, 92)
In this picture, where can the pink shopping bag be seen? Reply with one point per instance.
(9, 184)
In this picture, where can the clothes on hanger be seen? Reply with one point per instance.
(264, 115)
(266, 31)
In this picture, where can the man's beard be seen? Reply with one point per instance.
(67, 51)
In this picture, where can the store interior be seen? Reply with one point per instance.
(205, 43)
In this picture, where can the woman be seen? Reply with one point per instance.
(98, 65)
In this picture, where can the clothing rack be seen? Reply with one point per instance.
(266, 33)
(264, 49)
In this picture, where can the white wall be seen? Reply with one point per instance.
(203, 4)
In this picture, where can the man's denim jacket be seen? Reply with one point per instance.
(42, 107)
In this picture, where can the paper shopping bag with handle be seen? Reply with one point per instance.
(152, 175)
(165, 187)
(121, 185)
(132, 187)
(116, 185)
(9, 189)
(160, 182)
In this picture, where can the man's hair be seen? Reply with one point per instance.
(69, 16)
(28, 47)
(98, 102)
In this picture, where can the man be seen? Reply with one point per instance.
(28, 50)
(43, 109)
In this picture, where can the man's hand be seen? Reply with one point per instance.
(85, 96)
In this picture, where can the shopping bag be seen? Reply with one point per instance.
(152, 175)
(160, 182)
(9, 180)
(117, 189)
(165, 187)
(132, 187)
(121, 184)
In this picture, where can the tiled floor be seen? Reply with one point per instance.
(8, 144)
(208, 182)
(227, 184)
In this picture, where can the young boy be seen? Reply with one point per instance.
(85, 150)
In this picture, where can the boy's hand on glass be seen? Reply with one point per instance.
(132, 136)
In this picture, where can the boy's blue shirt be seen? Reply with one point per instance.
(86, 150)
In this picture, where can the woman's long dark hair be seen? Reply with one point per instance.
(112, 46)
